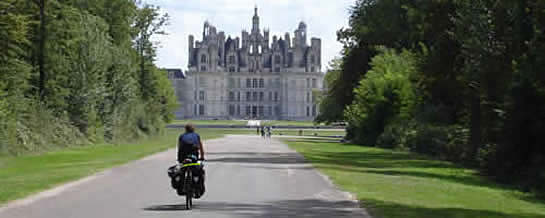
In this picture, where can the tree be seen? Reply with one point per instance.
(148, 22)
(386, 94)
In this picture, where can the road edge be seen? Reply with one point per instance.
(348, 195)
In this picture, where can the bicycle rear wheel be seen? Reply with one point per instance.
(189, 191)
(188, 201)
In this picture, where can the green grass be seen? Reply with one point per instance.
(288, 123)
(210, 122)
(308, 132)
(400, 184)
(24, 175)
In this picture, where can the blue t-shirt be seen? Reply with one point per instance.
(190, 139)
(188, 144)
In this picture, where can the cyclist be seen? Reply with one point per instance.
(190, 146)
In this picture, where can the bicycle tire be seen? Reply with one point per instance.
(189, 191)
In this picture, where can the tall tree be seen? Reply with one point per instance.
(148, 22)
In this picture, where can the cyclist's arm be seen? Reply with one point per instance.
(179, 151)
(201, 149)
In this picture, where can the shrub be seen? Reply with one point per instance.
(385, 94)
(442, 142)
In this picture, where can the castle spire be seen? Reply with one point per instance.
(255, 21)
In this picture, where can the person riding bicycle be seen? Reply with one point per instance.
(190, 146)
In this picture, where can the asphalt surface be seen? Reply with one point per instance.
(247, 176)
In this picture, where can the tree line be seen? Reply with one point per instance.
(459, 80)
(79, 72)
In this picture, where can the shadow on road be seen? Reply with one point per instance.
(168, 207)
(276, 209)
(262, 158)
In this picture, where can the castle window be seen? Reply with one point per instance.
(254, 95)
(275, 96)
(313, 110)
(277, 59)
(231, 96)
(261, 96)
(201, 109)
(308, 111)
(248, 110)
(203, 59)
(238, 96)
(261, 111)
(231, 69)
(231, 110)
(248, 83)
(314, 84)
(231, 59)
(248, 96)
(261, 83)
(203, 68)
(231, 83)
(254, 83)
(201, 95)
(290, 59)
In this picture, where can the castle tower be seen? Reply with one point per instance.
(255, 21)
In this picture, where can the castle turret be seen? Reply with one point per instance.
(221, 45)
(245, 39)
(255, 21)
(287, 38)
(300, 39)
(191, 45)
(266, 39)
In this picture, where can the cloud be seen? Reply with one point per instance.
(323, 18)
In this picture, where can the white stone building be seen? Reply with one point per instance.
(251, 77)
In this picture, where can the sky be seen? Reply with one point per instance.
(323, 19)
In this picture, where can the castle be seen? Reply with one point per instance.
(251, 77)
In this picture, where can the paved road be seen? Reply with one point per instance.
(246, 177)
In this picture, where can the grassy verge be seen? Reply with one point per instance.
(288, 123)
(210, 122)
(400, 184)
(312, 132)
(24, 175)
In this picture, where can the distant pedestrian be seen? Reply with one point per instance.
(269, 129)
(257, 130)
(263, 132)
